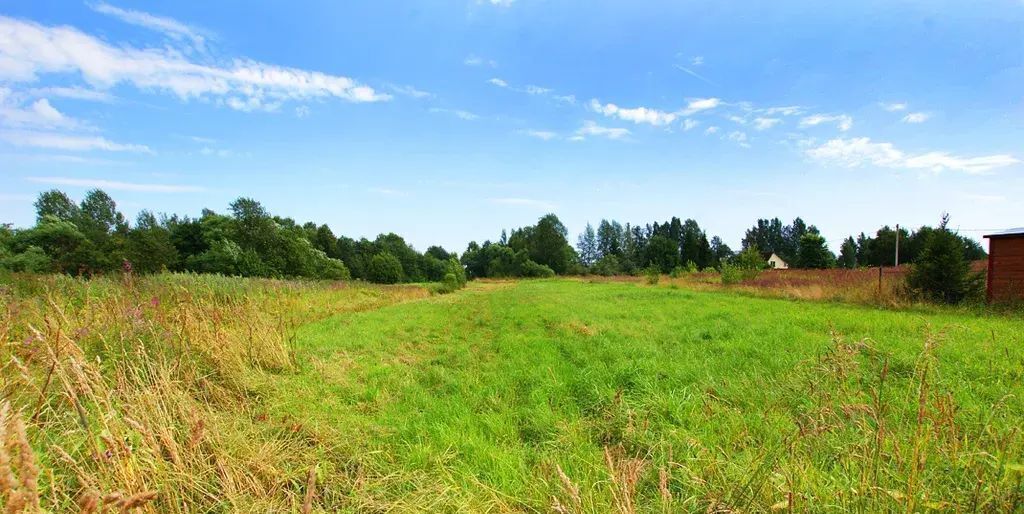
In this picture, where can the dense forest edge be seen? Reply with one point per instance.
(93, 237)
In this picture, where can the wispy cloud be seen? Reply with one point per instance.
(458, 113)
(302, 111)
(711, 130)
(695, 105)
(74, 93)
(58, 141)
(694, 74)
(893, 106)
(170, 27)
(690, 124)
(636, 114)
(916, 117)
(766, 123)
(475, 60)
(861, 151)
(591, 128)
(116, 185)
(409, 91)
(546, 135)
(32, 49)
(843, 122)
(739, 138)
(498, 82)
(37, 115)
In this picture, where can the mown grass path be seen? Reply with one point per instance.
(590, 397)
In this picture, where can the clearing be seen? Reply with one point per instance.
(575, 395)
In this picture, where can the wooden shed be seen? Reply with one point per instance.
(1006, 265)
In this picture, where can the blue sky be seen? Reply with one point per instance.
(446, 121)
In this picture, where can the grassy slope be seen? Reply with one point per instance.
(658, 398)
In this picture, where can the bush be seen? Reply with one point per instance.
(531, 269)
(652, 275)
(745, 266)
(454, 278)
(941, 272)
(677, 272)
(691, 267)
(385, 269)
(33, 260)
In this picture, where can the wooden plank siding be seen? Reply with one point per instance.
(1006, 268)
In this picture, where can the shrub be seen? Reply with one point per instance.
(531, 269)
(33, 260)
(385, 269)
(691, 267)
(677, 272)
(652, 274)
(746, 266)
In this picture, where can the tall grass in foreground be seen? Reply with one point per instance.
(136, 393)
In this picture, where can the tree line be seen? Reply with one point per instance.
(92, 236)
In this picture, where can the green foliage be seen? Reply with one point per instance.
(531, 269)
(677, 272)
(813, 252)
(150, 248)
(747, 265)
(942, 273)
(848, 254)
(454, 277)
(32, 260)
(385, 269)
(607, 266)
(652, 275)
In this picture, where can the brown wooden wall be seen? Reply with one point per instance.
(1006, 268)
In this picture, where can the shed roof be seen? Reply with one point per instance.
(1013, 232)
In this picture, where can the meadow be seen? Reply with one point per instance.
(184, 393)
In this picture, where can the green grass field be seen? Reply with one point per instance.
(578, 396)
(187, 393)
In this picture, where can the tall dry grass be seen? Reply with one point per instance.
(141, 394)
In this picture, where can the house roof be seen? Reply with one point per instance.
(776, 257)
(1013, 232)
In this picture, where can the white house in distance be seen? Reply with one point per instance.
(776, 262)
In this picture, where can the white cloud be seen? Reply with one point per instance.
(739, 138)
(465, 115)
(695, 105)
(28, 50)
(74, 93)
(546, 135)
(170, 27)
(474, 60)
(916, 117)
(697, 60)
(857, 152)
(786, 110)
(116, 185)
(711, 130)
(536, 90)
(766, 123)
(409, 91)
(689, 124)
(569, 99)
(636, 115)
(499, 3)
(59, 141)
(498, 82)
(38, 114)
(893, 106)
(591, 128)
(302, 111)
(842, 121)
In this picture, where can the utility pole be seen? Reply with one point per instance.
(897, 245)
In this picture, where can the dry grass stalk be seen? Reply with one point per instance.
(19, 474)
(307, 504)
